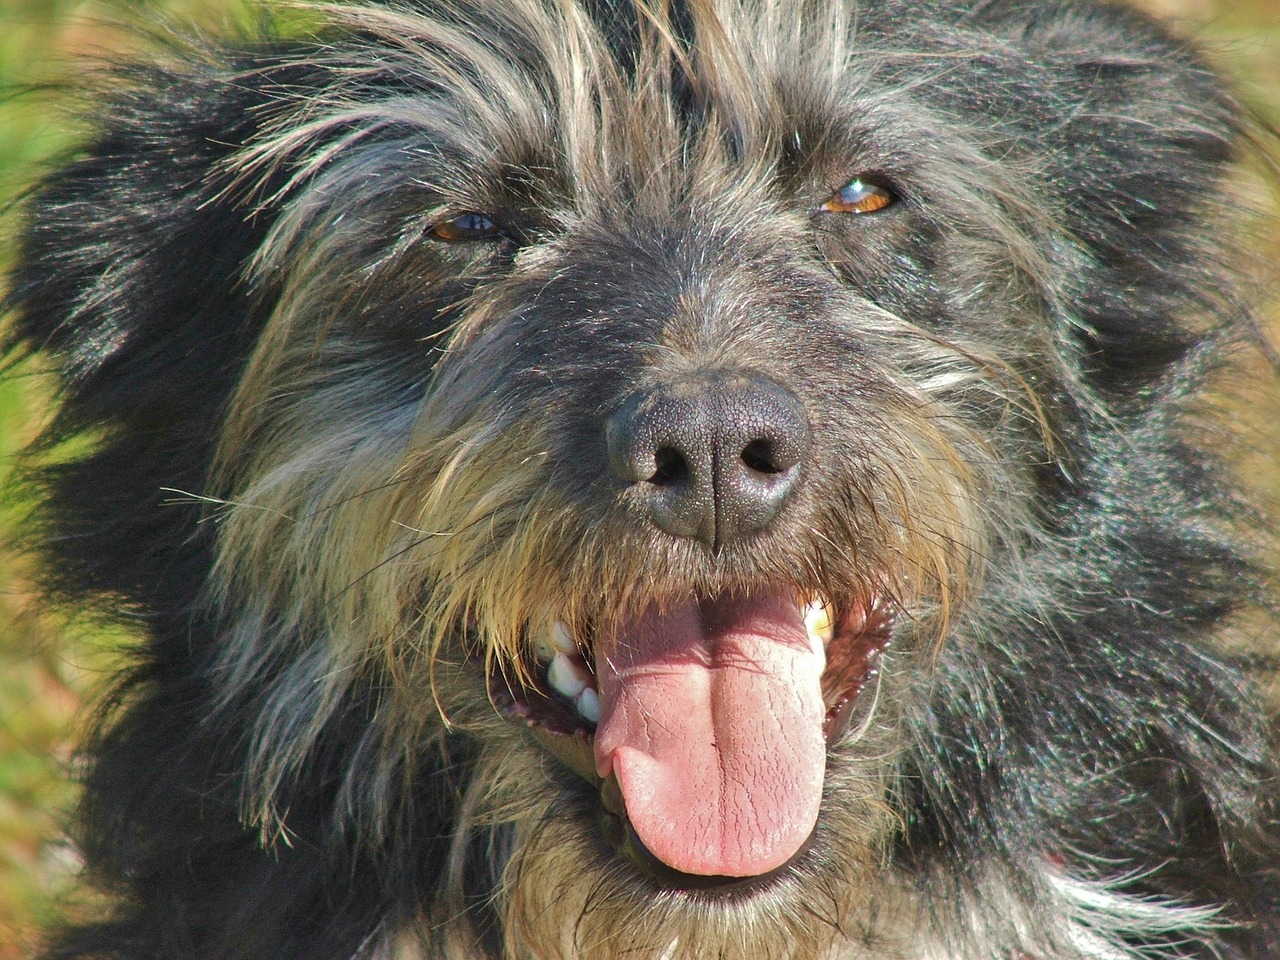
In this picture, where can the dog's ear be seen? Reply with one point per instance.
(1134, 136)
(129, 277)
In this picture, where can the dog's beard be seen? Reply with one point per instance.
(562, 892)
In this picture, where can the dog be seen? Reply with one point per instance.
(613, 479)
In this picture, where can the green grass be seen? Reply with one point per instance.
(45, 667)
(39, 694)
(38, 688)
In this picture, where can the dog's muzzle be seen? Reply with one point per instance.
(704, 724)
(705, 720)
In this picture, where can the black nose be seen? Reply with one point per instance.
(712, 455)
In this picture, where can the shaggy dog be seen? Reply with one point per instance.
(711, 479)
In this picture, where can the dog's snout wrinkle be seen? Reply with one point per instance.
(713, 455)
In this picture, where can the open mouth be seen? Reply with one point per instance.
(704, 724)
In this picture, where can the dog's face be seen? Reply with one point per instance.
(660, 423)
(651, 408)
(721, 423)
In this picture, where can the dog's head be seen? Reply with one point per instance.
(738, 436)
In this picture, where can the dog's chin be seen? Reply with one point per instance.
(704, 725)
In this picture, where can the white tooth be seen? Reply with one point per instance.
(562, 638)
(565, 677)
(589, 705)
(556, 639)
(817, 620)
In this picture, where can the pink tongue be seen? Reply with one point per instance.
(711, 719)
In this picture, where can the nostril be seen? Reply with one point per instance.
(672, 469)
(759, 456)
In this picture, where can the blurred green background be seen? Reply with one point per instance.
(47, 665)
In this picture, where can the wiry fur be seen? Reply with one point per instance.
(340, 463)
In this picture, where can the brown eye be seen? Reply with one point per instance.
(466, 226)
(859, 196)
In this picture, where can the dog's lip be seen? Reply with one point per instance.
(859, 633)
(853, 655)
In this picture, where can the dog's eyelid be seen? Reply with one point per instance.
(864, 194)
